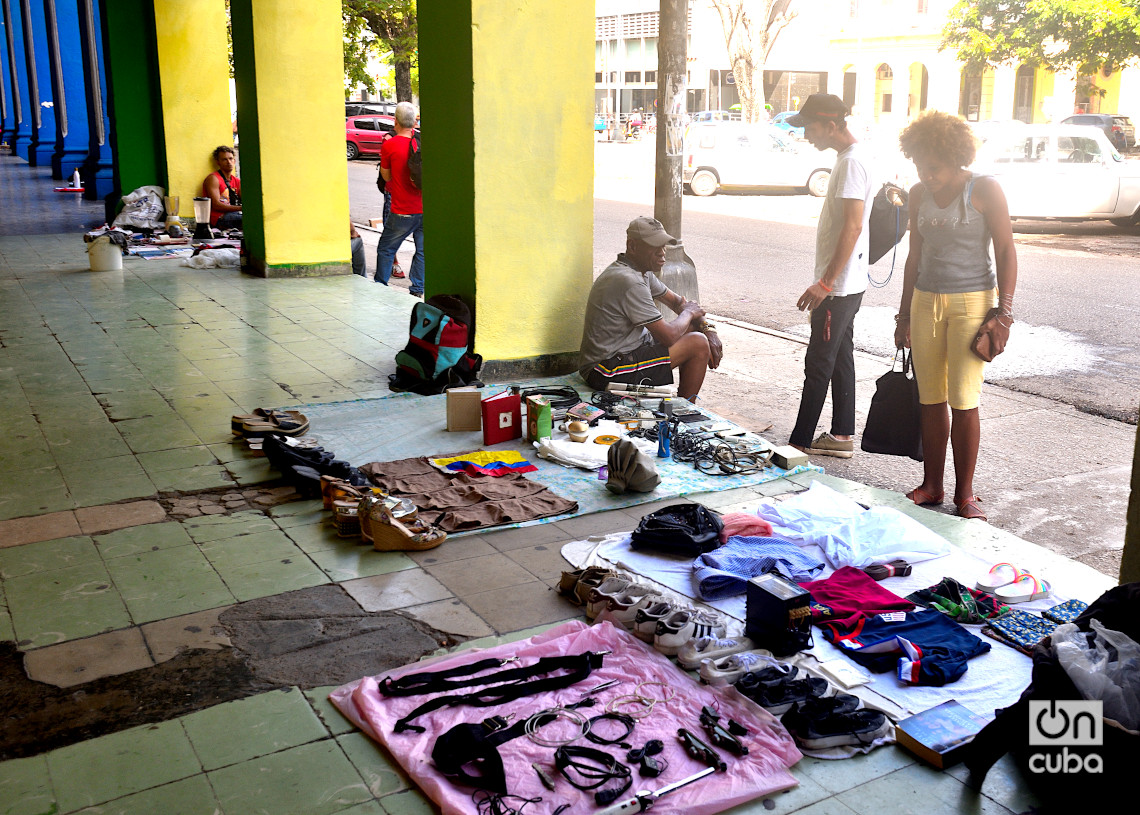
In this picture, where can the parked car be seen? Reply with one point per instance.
(363, 134)
(1118, 128)
(363, 108)
(780, 120)
(716, 116)
(738, 156)
(1068, 172)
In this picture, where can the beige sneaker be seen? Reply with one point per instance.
(826, 444)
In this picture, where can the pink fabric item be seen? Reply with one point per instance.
(761, 772)
(849, 594)
(745, 524)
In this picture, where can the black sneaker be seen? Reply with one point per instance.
(777, 699)
(857, 727)
(752, 683)
(821, 707)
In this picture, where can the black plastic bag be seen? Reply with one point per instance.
(894, 422)
(681, 529)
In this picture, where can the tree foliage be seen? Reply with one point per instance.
(1080, 35)
(374, 26)
(750, 31)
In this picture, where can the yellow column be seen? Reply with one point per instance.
(194, 79)
(289, 71)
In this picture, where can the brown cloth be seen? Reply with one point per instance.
(463, 501)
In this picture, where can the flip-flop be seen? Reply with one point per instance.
(1025, 589)
(968, 508)
(923, 498)
(1000, 574)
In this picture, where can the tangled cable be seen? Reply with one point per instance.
(494, 803)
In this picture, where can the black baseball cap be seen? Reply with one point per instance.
(820, 107)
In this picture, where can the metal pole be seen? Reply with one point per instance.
(679, 273)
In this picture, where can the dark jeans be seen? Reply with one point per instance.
(230, 220)
(358, 262)
(830, 361)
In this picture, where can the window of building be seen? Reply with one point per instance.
(884, 72)
(613, 77)
(887, 103)
(632, 77)
(650, 77)
(597, 77)
(922, 6)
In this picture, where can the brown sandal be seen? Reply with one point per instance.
(407, 534)
(923, 498)
(968, 508)
(337, 489)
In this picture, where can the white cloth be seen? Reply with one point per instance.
(211, 258)
(851, 178)
(586, 455)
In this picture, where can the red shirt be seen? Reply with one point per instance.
(234, 184)
(406, 199)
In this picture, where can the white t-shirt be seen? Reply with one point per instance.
(850, 178)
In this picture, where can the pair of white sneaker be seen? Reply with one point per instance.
(723, 661)
(652, 618)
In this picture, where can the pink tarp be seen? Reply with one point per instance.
(763, 771)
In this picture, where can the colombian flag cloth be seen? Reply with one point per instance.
(485, 462)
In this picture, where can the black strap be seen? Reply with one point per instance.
(435, 681)
(590, 776)
(235, 197)
(579, 666)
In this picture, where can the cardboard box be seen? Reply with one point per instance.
(538, 419)
(463, 409)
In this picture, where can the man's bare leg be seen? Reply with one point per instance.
(691, 355)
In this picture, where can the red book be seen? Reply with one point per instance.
(502, 418)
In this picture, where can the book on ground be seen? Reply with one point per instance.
(939, 735)
(502, 418)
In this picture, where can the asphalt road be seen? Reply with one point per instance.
(1077, 307)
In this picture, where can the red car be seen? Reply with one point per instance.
(363, 134)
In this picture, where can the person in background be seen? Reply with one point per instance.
(841, 242)
(625, 338)
(223, 188)
(407, 215)
(359, 264)
(950, 288)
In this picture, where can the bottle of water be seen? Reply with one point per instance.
(75, 181)
(663, 450)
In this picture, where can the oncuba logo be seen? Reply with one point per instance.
(1065, 724)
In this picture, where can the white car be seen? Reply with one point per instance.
(739, 156)
(1062, 171)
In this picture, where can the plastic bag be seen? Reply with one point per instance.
(143, 209)
(1103, 664)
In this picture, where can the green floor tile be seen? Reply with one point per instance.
(255, 726)
(146, 538)
(94, 440)
(335, 721)
(109, 767)
(71, 619)
(367, 808)
(318, 537)
(191, 479)
(359, 560)
(408, 802)
(217, 527)
(178, 459)
(314, 779)
(40, 588)
(376, 766)
(25, 787)
(272, 577)
(230, 553)
(45, 556)
(167, 583)
(134, 404)
(299, 513)
(190, 796)
(248, 472)
(157, 433)
(108, 481)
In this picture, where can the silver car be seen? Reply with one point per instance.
(1066, 172)
(738, 156)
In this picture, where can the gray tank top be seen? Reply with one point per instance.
(955, 246)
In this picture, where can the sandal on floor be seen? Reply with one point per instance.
(281, 422)
(1000, 574)
(968, 508)
(1025, 589)
(238, 419)
(923, 498)
(346, 518)
(390, 534)
(337, 489)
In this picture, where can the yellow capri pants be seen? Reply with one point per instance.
(942, 329)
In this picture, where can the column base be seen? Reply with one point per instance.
(257, 267)
(21, 144)
(527, 367)
(40, 155)
(64, 162)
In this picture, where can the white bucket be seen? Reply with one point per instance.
(104, 256)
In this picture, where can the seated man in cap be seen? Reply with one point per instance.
(626, 339)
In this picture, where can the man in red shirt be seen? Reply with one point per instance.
(223, 188)
(407, 215)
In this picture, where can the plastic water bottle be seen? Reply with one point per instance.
(75, 181)
(663, 450)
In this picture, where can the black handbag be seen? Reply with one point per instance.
(894, 422)
(680, 529)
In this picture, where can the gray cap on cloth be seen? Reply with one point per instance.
(630, 469)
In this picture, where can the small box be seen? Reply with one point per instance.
(786, 457)
(779, 615)
(538, 419)
(463, 411)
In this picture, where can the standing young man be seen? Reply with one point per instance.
(841, 244)
(407, 215)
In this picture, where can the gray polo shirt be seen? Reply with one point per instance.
(619, 308)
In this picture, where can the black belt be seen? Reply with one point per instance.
(579, 666)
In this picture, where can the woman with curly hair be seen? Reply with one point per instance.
(950, 289)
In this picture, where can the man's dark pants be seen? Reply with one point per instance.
(830, 361)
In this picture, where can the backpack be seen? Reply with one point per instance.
(436, 356)
(681, 529)
(415, 162)
(381, 184)
(890, 215)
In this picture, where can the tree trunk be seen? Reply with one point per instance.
(403, 72)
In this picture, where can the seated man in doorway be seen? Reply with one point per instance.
(625, 338)
(223, 188)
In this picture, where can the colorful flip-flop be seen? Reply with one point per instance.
(1001, 574)
(1025, 589)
